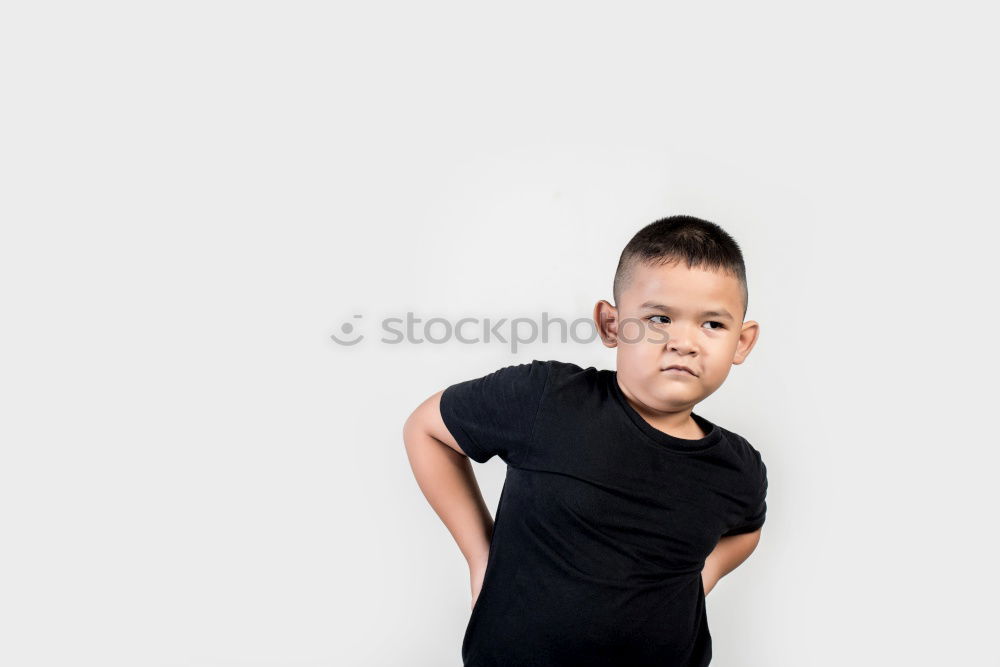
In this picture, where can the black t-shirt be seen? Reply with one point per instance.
(603, 524)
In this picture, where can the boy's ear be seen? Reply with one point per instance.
(606, 320)
(748, 338)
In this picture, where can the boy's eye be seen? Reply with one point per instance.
(653, 318)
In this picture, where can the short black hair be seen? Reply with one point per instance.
(699, 243)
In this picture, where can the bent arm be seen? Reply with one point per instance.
(728, 554)
(444, 475)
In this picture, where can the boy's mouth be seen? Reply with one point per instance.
(678, 369)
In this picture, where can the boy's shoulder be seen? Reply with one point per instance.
(750, 458)
(561, 366)
(569, 381)
(743, 446)
(557, 368)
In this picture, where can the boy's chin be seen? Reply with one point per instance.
(671, 399)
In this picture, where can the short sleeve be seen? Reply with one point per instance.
(495, 414)
(757, 511)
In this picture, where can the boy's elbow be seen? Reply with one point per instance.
(411, 425)
(748, 542)
(426, 424)
(418, 423)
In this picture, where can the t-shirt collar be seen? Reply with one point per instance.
(713, 433)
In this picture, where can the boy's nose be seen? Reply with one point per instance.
(679, 341)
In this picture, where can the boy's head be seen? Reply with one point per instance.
(680, 296)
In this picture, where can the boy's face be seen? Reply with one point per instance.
(664, 318)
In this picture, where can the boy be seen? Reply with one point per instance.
(621, 506)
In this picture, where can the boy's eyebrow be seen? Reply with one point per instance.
(649, 305)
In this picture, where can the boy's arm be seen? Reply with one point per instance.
(728, 554)
(444, 475)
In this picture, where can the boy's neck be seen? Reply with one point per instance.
(678, 424)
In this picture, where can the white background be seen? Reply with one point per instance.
(196, 195)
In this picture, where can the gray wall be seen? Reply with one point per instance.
(197, 195)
